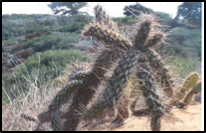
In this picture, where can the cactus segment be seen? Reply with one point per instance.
(162, 75)
(107, 36)
(190, 81)
(190, 96)
(150, 94)
(64, 94)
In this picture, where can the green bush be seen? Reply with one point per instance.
(125, 20)
(17, 25)
(13, 41)
(58, 57)
(82, 18)
(195, 44)
(77, 26)
(164, 18)
(182, 66)
(183, 42)
(53, 41)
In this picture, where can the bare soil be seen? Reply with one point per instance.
(187, 119)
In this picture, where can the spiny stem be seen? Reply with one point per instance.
(150, 94)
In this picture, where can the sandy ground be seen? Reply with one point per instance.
(188, 119)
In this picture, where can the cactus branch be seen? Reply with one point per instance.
(150, 94)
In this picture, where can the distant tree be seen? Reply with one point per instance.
(67, 8)
(136, 9)
(190, 12)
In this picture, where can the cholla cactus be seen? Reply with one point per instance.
(122, 73)
(135, 55)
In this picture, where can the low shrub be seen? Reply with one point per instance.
(183, 42)
(53, 41)
(183, 66)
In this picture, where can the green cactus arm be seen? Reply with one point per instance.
(142, 35)
(102, 18)
(190, 96)
(81, 75)
(157, 38)
(162, 73)
(64, 94)
(150, 94)
(106, 35)
(156, 64)
(104, 29)
(197, 88)
(62, 97)
(190, 81)
(126, 66)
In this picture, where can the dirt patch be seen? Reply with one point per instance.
(188, 119)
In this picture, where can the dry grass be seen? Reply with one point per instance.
(33, 103)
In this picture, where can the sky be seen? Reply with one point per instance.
(114, 9)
